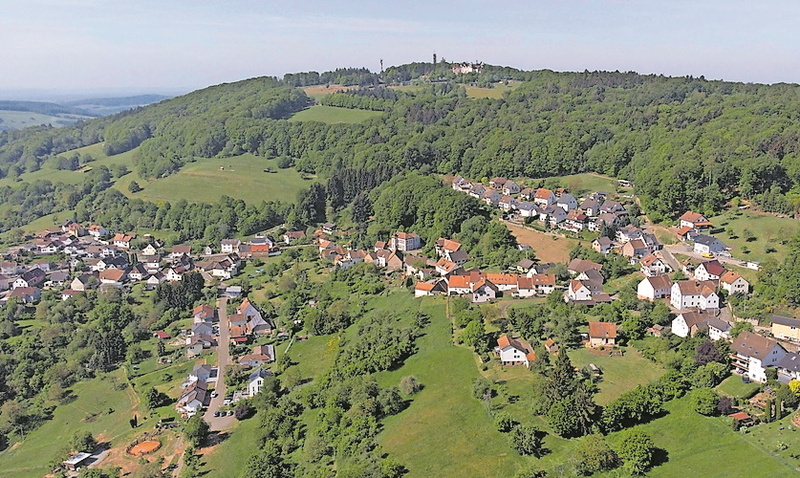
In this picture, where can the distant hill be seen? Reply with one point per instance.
(18, 114)
(108, 106)
(42, 107)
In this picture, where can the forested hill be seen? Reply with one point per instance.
(687, 143)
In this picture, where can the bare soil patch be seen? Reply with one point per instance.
(548, 248)
(145, 448)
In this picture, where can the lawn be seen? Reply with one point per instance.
(445, 431)
(768, 232)
(205, 180)
(99, 407)
(703, 446)
(620, 374)
(75, 177)
(229, 458)
(734, 387)
(334, 114)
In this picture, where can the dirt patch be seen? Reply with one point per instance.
(320, 90)
(548, 248)
(144, 448)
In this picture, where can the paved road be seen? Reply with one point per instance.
(223, 356)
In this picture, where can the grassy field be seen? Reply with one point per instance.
(23, 119)
(620, 374)
(495, 92)
(444, 432)
(703, 446)
(75, 177)
(228, 459)
(319, 91)
(734, 387)
(98, 407)
(770, 232)
(334, 115)
(205, 180)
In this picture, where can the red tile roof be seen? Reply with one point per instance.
(603, 329)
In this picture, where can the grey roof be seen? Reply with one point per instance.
(705, 240)
(791, 322)
(259, 373)
(790, 362)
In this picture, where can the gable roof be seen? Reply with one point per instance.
(649, 260)
(694, 287)
(729, 277)
(753, 345)
(505, 341)
(603, 329)
(659, 282)
(580, 265)
(713, 267)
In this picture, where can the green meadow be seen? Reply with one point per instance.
(334, 114)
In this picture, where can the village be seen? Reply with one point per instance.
(80, 258)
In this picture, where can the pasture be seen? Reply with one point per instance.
(445, 431)
(496, 91)
(755, 236)
(334, 115)
(620, 374)
(205, 180)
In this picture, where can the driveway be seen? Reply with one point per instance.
(223, 355)
(687, 250)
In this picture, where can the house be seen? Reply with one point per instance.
(256, 381)
(123, 241)
(527, 209)
(787, 328)
(707, 244)
(535, 284)
(160, 335)
(201, 328)
(510, 187)
(525, 265)
(577, 292)
(30, 278)
(67, 294)
(551, 346)
(200, 372)
(709, 270)
(84, 282)
(613, 207)
(291, 236)
(687, 294)
(629, 233)
(635, 249)
(114, 277)
(405, 241)
(753, 353)
(204, 313)
(477, 191)
(544, 197)
(602, 334)
(507, 203)
(421, 289)
(591, 205)
(650, 265)
(458, 284)
(527, 193)
(385, 258)
(154, 280)
(576, 266)
(602, 245)
(734, 283)
(28, 295)
(444, 267)
(149, 250)
(497, 183)
(718, 328)
(484, 290)
(461, 184)
(77, 461)
(654, 287)
(591, 275)
(262, 354)
(193, 397)
(97, 231)
(689, 323)
(789, 367)
(491, 197)
(514, 351)
(329, 228)
(567, 202)
(444, 247)
(694, 220)
(228, 246)
(503, 281)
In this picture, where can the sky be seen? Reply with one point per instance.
(147, 45)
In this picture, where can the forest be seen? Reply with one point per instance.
(686, 143)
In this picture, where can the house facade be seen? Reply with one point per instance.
(751, 354)
(514, 351)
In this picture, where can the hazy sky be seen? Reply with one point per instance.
(86, 44)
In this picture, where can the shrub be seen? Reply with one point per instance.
(409, 385)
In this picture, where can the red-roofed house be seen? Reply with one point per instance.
(734, 283)
(602, 334)
(514, 351)
(695, 220)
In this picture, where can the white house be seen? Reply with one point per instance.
(753, 353)
(567, 202)
(256, 381)
(689, 323)
(689, 294)
(655, 287)
(734, 283)
(200, 372)
(707, 244)
(484, 290)
(514, 351)
(544, 197)
(650, 265)
(193, 398)
(709, 270)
